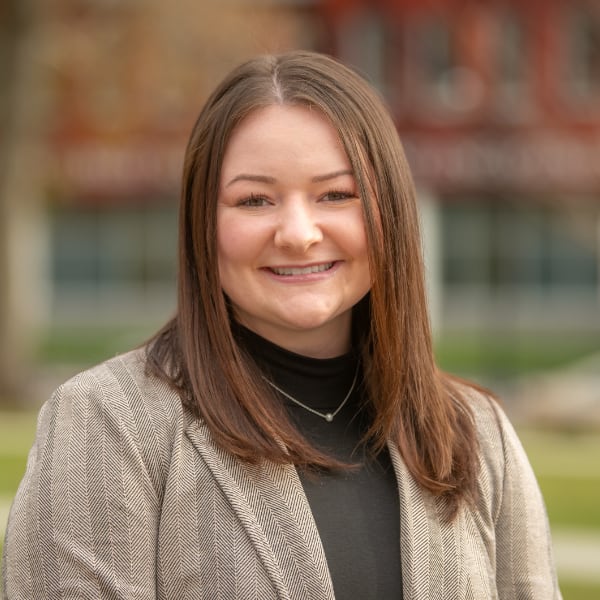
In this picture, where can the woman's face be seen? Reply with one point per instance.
(292, 246)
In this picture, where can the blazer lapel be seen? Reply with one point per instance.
(271, 505)
(430, 549)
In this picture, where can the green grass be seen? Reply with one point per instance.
(12, 469)
(509, 354)
(568, 471)
(17, 430)
(572, 501)
(87, 345)
(493, 354)
(573, 590)
(16, 436)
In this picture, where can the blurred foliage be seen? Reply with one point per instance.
(572, 501)
(574, 590)
(511, 354)
(16, 436)
(12, 468)
(568, 471)
(498, 354)
(87, 345)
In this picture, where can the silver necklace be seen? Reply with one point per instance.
(327, 416)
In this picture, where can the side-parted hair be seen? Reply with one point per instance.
(412, 404)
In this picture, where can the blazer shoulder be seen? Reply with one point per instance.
(493, 426)
(485, 408)
(503, 460)
(119, 398)
(125, 379)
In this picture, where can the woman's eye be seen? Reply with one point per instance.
(338, 195)
(254, 201)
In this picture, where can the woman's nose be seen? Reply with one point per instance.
(298, 228)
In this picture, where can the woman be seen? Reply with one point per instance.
(287, 434)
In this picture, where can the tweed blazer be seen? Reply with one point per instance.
(126, 496)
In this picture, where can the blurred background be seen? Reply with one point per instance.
(498, 105)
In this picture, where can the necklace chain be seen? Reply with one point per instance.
(329, 416)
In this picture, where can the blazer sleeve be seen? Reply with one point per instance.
(524, 558)
(84, 521)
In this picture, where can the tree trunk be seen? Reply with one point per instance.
(20, 208)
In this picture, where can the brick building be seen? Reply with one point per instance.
(497, 103)
(126, 79)
(498, 106)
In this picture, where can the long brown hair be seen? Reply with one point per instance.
(412, 403)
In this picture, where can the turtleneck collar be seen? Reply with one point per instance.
(320, 383)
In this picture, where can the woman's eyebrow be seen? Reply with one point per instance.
(249, 177)
(272, 180)
(333, 175)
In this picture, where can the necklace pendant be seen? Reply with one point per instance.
(327, 416)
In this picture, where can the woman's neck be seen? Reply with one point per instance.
(322, 342)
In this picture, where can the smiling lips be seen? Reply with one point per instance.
(289, 271)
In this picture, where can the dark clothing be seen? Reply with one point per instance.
(357, 512)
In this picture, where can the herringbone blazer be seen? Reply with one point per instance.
(126, 496)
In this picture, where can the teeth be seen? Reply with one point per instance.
(302, 270)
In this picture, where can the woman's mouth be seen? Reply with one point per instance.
(289, 271)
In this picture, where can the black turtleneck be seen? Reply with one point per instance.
(357, 511)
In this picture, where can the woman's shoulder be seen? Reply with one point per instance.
(485, 407)
(122, 390)
(494, 430)
(122, 376)
(116, 408)
(502, 456)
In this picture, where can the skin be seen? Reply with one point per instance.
(292, 246)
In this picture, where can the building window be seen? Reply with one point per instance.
(361, 43)
(511, 100)
(113, 259)
(437, 61)
(528, 250)
(583, 54)
(450, 87)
